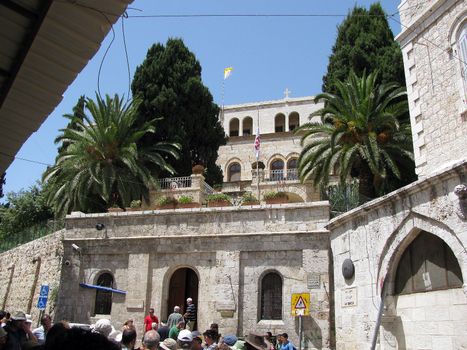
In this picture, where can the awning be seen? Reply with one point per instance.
(119, 291)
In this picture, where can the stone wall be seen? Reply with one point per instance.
(25, 268)
(374, 236)
(229, 249)
(435, 84)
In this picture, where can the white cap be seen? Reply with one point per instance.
(185, 335)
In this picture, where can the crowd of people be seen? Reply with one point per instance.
(177, 333)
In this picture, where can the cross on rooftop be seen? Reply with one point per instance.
(287, 92)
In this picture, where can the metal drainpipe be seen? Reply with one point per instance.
(379, 316)
(12, 269)
(34, 284)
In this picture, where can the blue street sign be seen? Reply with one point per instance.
(43, 295)
(44, 290)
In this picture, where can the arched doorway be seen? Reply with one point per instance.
(183, 284)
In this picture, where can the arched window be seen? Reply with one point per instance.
(277, 170)
(294, 121)
(462, 42)
(292, 173)
(234, 126)
(247, 126)
(279, 123)
(234, 172)
(103, 304)
(427, 264)
(271, 297)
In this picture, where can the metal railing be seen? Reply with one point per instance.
(280, 175)
(30, 234)
(208, 189)
(174, 183)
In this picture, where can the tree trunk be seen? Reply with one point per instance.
(366, 187)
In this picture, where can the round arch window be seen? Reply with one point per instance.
(103, 304)
(277, 170)
(234, 173)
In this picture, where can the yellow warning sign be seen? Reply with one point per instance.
(300, 304)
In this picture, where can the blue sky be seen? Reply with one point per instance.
(268, 55)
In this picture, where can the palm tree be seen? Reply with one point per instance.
(360, 135)
(102, 165)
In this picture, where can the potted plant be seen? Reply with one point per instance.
(134, 205)
(218, 200)
(114, 209)
(248, 198)
(198, 169)
(275, 197)
(187, 202)
(167, 202)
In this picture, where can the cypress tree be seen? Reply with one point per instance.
(364, 42)
(169, 83)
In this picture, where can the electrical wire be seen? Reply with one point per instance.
(125, 15)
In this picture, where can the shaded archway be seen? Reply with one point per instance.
(183, 284)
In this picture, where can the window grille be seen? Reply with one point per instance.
(103, 304)
(271, 297)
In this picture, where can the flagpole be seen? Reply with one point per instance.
(257, 157)
(222, 102)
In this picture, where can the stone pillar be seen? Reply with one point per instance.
(138, 298)
(197, 185)
(227, 289)
(286, 126)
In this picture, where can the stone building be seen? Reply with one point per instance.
(239, 264)
(401, 260)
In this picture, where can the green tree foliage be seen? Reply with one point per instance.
(169, 83)
(22, 210)
(360, 136)
(103, 165)
(78, 115)
(364, 42)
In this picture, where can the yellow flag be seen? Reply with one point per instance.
(227, 72)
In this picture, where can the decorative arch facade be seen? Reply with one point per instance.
(234, 127)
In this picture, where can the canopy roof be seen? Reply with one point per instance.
(44, 44)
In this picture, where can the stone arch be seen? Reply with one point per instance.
(294, 120)
(247, 126)
(166, 308)
(229, 163)
(456, 26)
(404, 234)
(260, 290)
(103, 298)
(279, 122)
(234, 127)
(276, 172)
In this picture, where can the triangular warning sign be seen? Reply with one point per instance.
(300, 304)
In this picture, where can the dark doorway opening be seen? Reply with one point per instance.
(183, 285)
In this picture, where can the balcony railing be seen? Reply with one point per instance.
(174, 183)
(280, 175)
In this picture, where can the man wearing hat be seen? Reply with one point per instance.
(184, 339)
(18, 332)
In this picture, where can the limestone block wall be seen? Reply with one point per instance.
(435, 84)
(229, 249)
(284, 147)
(374, 236)
(25, 268)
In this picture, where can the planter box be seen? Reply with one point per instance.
(167, 206)
(133, 209)
(189, 205)
(278, 200)
(250, 203)
(219, 204)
